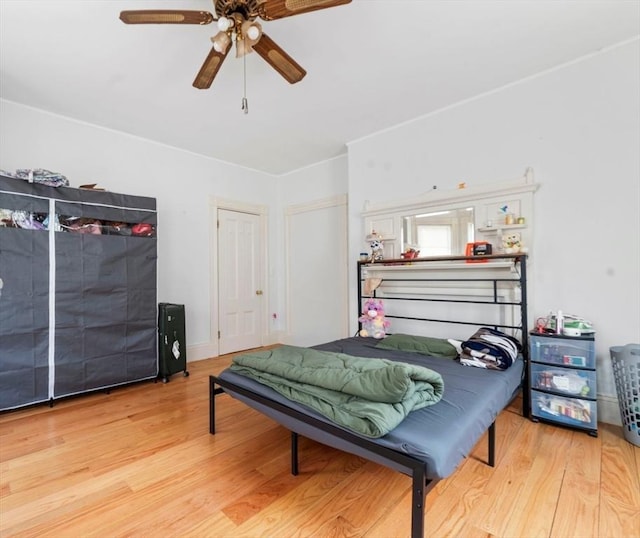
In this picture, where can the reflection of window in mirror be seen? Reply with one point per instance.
(441, 233)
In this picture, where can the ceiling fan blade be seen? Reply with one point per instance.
(210, 68)
(279, 59)
(166, 16)
(277, 9)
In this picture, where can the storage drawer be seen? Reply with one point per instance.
(570, 411)
(569, 351)
(570, 381)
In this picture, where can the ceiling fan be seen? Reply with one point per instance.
(236, 20)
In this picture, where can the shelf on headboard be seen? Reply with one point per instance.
(491, 265)
(409, 265)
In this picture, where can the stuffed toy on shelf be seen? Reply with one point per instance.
(374, 324)
(512, 244)
(376, 246)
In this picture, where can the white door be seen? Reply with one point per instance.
(317, 280)
(240, 293)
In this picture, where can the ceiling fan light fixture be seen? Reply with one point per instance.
(252, 30)
(224, 24)
(248, 34)
(221, 42)
(243, 47)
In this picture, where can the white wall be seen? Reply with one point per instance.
(181, 182)
(578, 126)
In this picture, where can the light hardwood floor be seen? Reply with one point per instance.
(140, 462)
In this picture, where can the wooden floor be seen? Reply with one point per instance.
(140, 462)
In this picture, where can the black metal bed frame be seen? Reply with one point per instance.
(407, 464)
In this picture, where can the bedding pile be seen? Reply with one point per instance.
(365, 395)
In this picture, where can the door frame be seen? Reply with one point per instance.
(262, 211)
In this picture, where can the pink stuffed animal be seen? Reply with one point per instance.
(373, 321)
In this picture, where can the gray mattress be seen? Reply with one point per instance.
(441, 435)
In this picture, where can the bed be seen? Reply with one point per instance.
(425, 445)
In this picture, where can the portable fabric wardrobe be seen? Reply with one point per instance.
(77, 311)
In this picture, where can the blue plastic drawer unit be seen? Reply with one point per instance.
(569, 411)
(569, 351)
(564, 381)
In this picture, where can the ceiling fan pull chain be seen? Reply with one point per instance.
(245, 103)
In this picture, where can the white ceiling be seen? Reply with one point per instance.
(371, 64)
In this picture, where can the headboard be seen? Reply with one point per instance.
(451, 296)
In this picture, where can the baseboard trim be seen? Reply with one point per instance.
(609, 409)
(200, 352)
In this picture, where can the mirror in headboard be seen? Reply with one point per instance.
(441, 223)
(439, 233)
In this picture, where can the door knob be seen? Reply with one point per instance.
(258, 292)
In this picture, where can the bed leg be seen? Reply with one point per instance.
(212, 405)
(417, 499)
(294, 453)
(492, 444)
(526, 403)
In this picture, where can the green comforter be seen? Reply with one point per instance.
(368, 396)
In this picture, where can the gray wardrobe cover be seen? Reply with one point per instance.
(78, 312)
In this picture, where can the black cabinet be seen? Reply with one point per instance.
(78, 305)
(562, 374)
